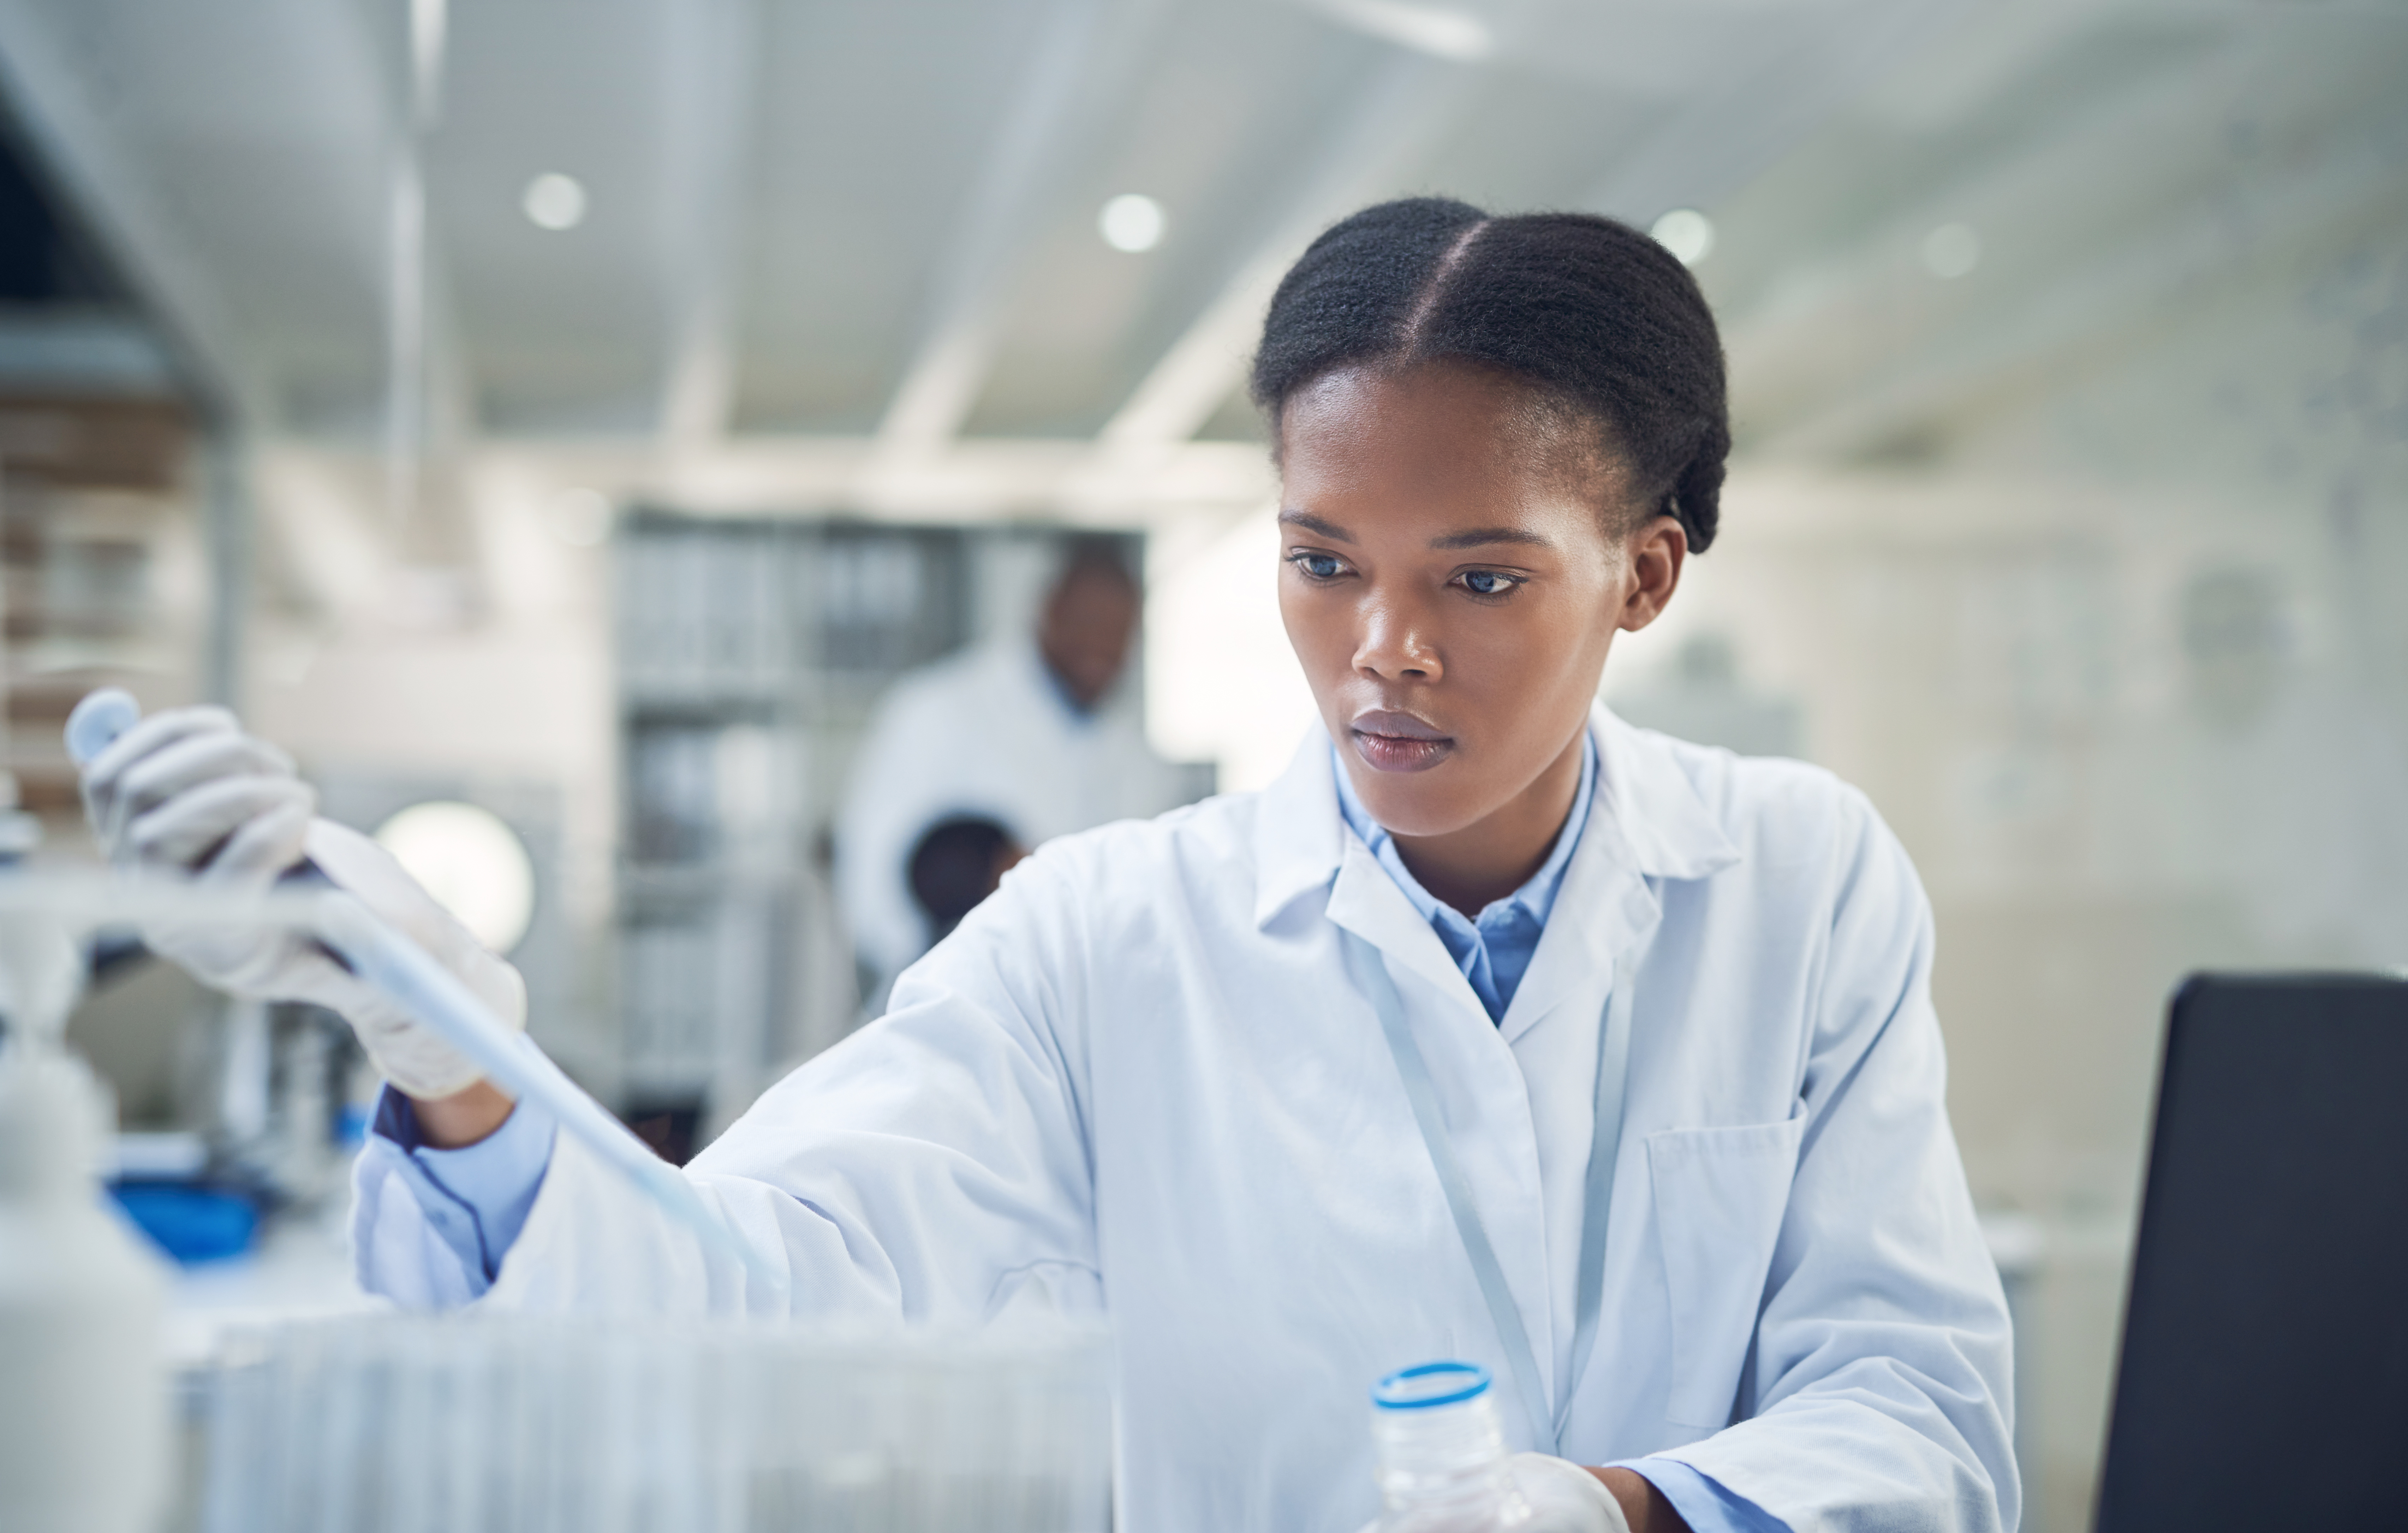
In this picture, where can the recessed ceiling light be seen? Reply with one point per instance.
(1688, 234)
(1951, 251)
(554, 201)
(1132, 222)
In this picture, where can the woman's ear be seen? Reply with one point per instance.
(1655, 551)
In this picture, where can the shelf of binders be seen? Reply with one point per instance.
(750, 654)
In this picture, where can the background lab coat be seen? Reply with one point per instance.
(1140, 1076)
(985, 732)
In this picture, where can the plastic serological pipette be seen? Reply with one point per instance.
(436, 999)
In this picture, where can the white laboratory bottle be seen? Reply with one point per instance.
(1443, 1467)
(84, 1393)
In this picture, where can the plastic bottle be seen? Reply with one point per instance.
(1443, 1467)
(84, 1410)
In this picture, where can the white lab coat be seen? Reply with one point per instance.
(1140, 1075)
(984, 732)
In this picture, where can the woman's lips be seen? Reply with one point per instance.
(1399, 743)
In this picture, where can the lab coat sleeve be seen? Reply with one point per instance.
(1879, 1392)
(924, 1170)
(430, 1227)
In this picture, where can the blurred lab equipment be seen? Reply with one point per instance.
(83, 1418)
(403, 988)
(1443, 1467)
(2264, 1377)
(958, 862)
(505, 1422)
(1020, 730)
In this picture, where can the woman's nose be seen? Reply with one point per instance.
(1394, 644)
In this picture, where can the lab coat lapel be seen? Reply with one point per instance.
(1298, 836)
(1302, 844)
(1601, 911)
(1608, 903)
(1366, 901)
(1646, 826)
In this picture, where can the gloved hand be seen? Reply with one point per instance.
(1565, 1497)
(187, 794)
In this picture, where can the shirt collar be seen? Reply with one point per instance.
(1537, 895)
(1643, 806)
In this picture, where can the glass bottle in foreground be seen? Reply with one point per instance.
(1443, 1467)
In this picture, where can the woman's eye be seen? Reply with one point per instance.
(1320, 566)
(1487, 583)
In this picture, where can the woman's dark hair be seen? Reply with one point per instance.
(1593, 314)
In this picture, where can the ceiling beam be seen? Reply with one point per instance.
(1705, 152)
(2124, 265)
(1414, 101)
(709, 88)
(82, 139)
(1742, 118)
(431, 418)
(1084, 65)
(975, 479)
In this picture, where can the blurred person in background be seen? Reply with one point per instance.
(959, 861)
(1021, 732)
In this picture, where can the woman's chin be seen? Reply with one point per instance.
(1413, 814)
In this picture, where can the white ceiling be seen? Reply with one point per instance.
(862, 235)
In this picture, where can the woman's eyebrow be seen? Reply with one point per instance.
(1480, 536)
(1312, 524)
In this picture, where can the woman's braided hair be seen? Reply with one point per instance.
(1593, 314)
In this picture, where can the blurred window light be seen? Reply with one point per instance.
(580, 516)
(1441, 31)
(554, 201)
(1132, 222)
(472, 863)
(1688, 234)
(1951, 251)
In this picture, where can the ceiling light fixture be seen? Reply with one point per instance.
(1132, 222)
(1951, 251)
(553, 201)
(472, 862)
(1688, 234)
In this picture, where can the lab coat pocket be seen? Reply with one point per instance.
(1720, 1194)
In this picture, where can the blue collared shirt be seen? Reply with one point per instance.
(1494, 949)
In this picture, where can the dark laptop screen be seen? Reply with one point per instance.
(2264, 1380)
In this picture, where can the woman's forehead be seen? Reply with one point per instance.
(1440, 442)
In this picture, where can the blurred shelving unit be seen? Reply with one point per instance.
(104, 567)
(752, 654)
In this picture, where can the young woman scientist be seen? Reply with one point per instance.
(1667, 1011)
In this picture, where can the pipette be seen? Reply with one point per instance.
(436, 997)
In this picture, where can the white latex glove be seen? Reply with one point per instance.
(1566, 1498)
(186, 794)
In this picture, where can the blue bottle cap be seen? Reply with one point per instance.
(1427, 1385)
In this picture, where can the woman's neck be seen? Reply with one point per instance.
(1486, 861)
